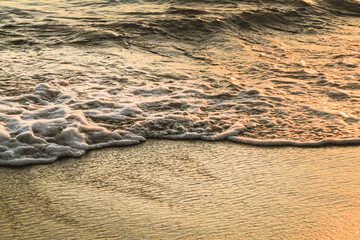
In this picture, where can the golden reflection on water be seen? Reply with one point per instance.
(187, 190)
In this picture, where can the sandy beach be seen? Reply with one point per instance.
(258, 93)
(186, 190)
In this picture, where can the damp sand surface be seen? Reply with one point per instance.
(165, 189)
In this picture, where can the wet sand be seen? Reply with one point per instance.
(186, 190)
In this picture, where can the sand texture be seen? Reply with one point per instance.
(186, 190)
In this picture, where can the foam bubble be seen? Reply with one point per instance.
(51, 131)
(53, 122)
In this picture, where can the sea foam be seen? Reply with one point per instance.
(43, 128)
(53, 122)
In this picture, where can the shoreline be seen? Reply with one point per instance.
(242, 141)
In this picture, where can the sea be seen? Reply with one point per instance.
(77, 75)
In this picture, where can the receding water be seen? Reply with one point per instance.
(186, 190)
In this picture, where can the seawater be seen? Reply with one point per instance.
(80, 75)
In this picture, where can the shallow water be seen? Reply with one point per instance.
(72, 72)
(186, 190)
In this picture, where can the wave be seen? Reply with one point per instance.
(80, 75)
(51, 123)
(170, 19)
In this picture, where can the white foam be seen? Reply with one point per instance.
(281, 142)
(54, 122)
(51, 131)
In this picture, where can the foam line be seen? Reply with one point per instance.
(280, 142)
